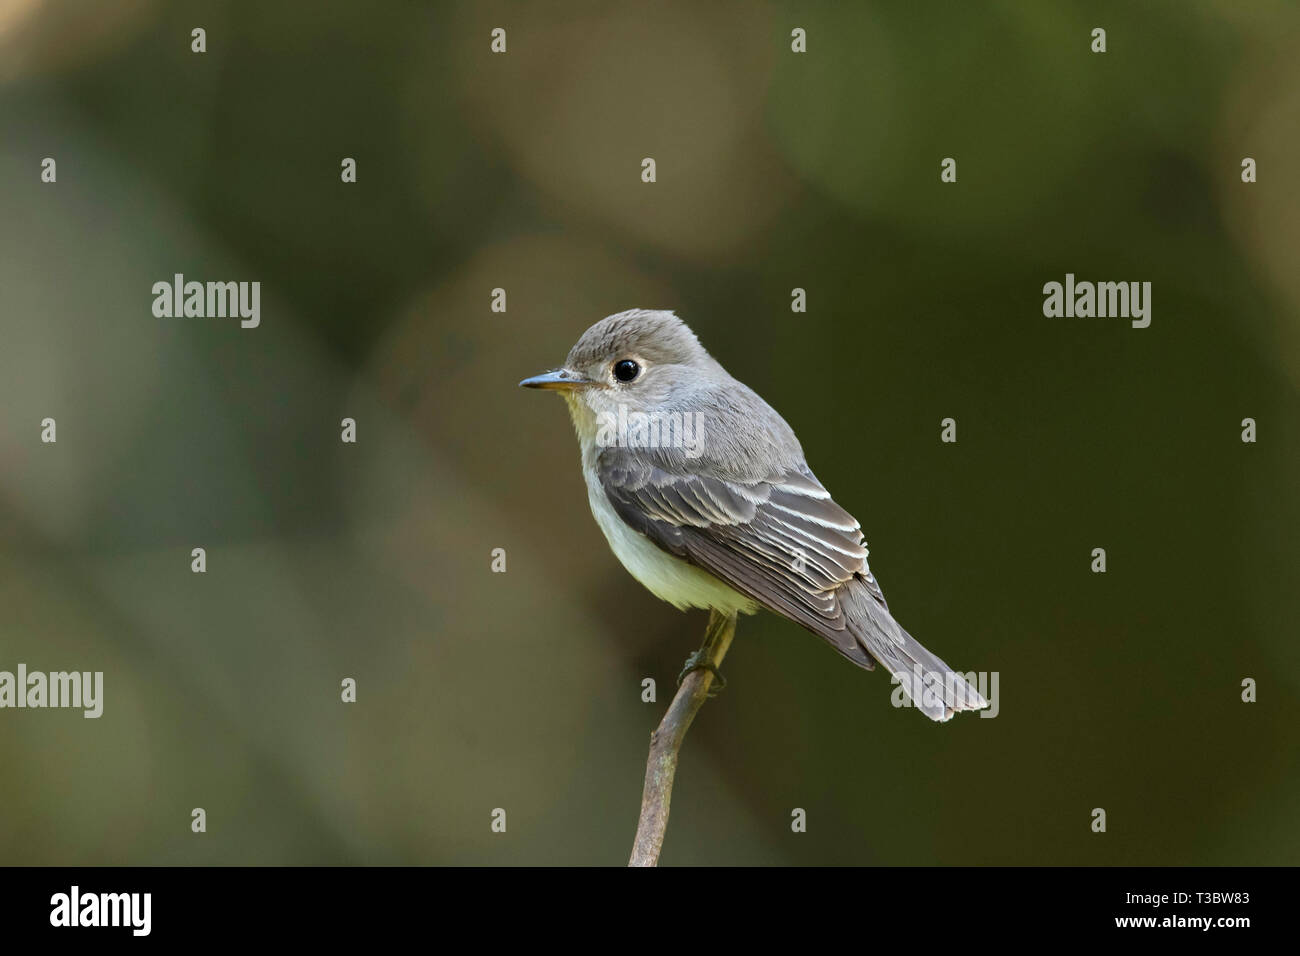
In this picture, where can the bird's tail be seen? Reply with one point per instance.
(930, 684)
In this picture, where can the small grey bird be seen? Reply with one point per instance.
(703, 493)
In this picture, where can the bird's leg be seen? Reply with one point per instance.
(704, 658)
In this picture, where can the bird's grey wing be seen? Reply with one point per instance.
(781, 541)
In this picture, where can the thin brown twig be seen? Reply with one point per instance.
(667, 739)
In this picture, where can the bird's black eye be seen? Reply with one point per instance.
(626, 370)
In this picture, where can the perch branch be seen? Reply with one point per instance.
(666, 741)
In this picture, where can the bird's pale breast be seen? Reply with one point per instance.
(667, 577)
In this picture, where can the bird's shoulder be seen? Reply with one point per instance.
(737, 435)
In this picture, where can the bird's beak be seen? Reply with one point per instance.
(560, 379)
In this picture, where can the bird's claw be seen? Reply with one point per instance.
(699, 661)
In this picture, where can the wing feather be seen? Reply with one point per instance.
(781, 541)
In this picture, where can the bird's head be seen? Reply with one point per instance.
(640, 359)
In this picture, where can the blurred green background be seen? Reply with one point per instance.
(522, 171)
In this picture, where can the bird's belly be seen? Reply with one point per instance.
(667, 577)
